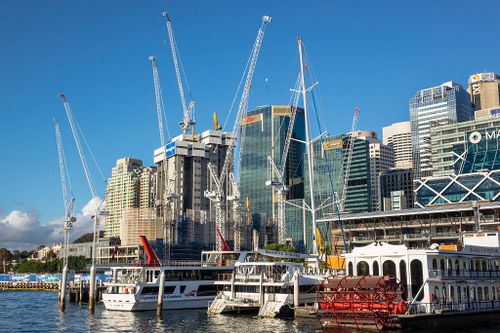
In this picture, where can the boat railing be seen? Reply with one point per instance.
(463, 274)
(440, 307)
(173, 263)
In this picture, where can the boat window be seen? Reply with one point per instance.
(416, 278)
(471, 265)
(441, 265)
(479, 293)
(464, 264)
(434, 264)
(450, 267)
(307, 288)
(486, 293)
(484, 266)
(478, 265)
(493, 295)
(349, 269)
(457, 267)
(444, 294)
(375, 268)
(362, 269)
(389, 268)
(154, 290)
(157, 273)
(207, 290)
(459, 294)
(182, 288)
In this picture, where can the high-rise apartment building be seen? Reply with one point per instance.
(484, 89)
(183, 175)
(123, 191)
(263, 133)
(398, 136)
(446, 137)
(443, 104)
(381, 159)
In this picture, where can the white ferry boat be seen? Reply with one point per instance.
(441, 286)
(188, 284)
(271, 288)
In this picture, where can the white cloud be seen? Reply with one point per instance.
(24, 230)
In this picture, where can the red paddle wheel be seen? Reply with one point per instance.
(364, 302)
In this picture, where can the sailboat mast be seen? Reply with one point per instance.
(310, 162)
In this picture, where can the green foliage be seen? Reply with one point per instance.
(23, 255)
(85, 238)
(5, 254)
(54, 266)
(280, 247)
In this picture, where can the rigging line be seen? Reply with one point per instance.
(68, 179)
(238, 90)
(283, 120)
(182, 70)
(334, 196)
(91, 152)
(164, 113)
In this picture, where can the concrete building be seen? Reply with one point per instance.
(444, 138)
(263, 133)
(398, 136)
(484, 89)
(130, 186)
(381, 159)
(396, 184)
(443, 104)
(417, 227)
(183, 172)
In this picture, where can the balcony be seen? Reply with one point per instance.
(464, 275)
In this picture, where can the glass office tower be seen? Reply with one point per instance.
(263, 134)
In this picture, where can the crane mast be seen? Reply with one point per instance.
(350, 149)
(68, 212)
(216, 195)
(92, 288)
(187, 110)
(167, 198)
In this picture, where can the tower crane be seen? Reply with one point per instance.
(350, 149)
(72, 124)
(167, 199)
(187, 110)
(216, 195)
(69, 204)
(280, 185)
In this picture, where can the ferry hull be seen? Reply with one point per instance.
(451, 319)
(130, 303)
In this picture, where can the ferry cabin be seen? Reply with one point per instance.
(439, 278)
(187, 284)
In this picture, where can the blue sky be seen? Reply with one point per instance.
(369, 54)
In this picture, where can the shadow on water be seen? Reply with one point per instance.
(27, 311)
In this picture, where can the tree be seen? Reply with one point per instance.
(5, 255)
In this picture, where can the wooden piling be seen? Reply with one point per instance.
(161, 287)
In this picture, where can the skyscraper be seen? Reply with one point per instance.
(381, 159)
(122, 192)
(263, 134)
(443, 104)
(484, 89)
(190, 214)
(398, 136)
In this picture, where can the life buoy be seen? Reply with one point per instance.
(125, 290)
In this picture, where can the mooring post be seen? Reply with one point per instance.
(261, 289)
(233, 289)
(80, 293)
(296, 289)
(62, 288)
(159, 304)
(92, 289)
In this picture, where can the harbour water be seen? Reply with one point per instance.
(37, 311)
